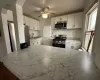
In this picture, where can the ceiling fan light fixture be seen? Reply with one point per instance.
(45, 16)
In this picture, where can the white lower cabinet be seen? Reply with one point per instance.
(73, 44)
(37, 41)
(47, 41)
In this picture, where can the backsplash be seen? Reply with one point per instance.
(71, 34)
(33, 33)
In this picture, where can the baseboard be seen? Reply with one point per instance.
(83, 49)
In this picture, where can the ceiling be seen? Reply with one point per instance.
(58, 6)
(6, 3)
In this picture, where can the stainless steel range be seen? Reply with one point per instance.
(59, 41)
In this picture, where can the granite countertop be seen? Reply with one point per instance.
(50, 63)
(36, 37)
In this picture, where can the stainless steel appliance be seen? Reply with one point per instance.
(59, 41)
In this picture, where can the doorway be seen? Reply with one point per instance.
(91, 17)
(11, 30)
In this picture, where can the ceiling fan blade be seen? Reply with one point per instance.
(39, 16)
(37, 7)
(51, 12)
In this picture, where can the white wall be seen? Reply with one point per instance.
(89, 4)
(9, 15)
(2, 49)
(46, 39)
(43, 23)
(20, 23)
(96, 44)
(6, 33)
(87, 7)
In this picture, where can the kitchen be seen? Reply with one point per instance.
(43, 40)
(72, 32)
(44, 31)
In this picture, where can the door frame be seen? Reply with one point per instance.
(87, 21)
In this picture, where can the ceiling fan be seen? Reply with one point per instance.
(45, 12)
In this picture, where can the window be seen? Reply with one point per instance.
(91, 17)
(92, 20)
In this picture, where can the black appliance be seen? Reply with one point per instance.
(59, 41)
(61, 25)
(24, 45)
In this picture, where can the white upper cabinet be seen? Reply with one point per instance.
(71, 21)
(57, 19)
(31, 23)
(60, 18)
(64, 18)
(75, 20)
(35, 23)
(79, 20)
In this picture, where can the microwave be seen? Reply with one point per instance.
(61, 25)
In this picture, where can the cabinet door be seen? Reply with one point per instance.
(31, 23)
(79, 20)
(63, 18)
(53, 23)
(71, 21)
(57, 19)
(27, 21)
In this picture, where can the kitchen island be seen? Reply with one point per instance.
(51, 63)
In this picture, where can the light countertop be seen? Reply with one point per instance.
(50, 63)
